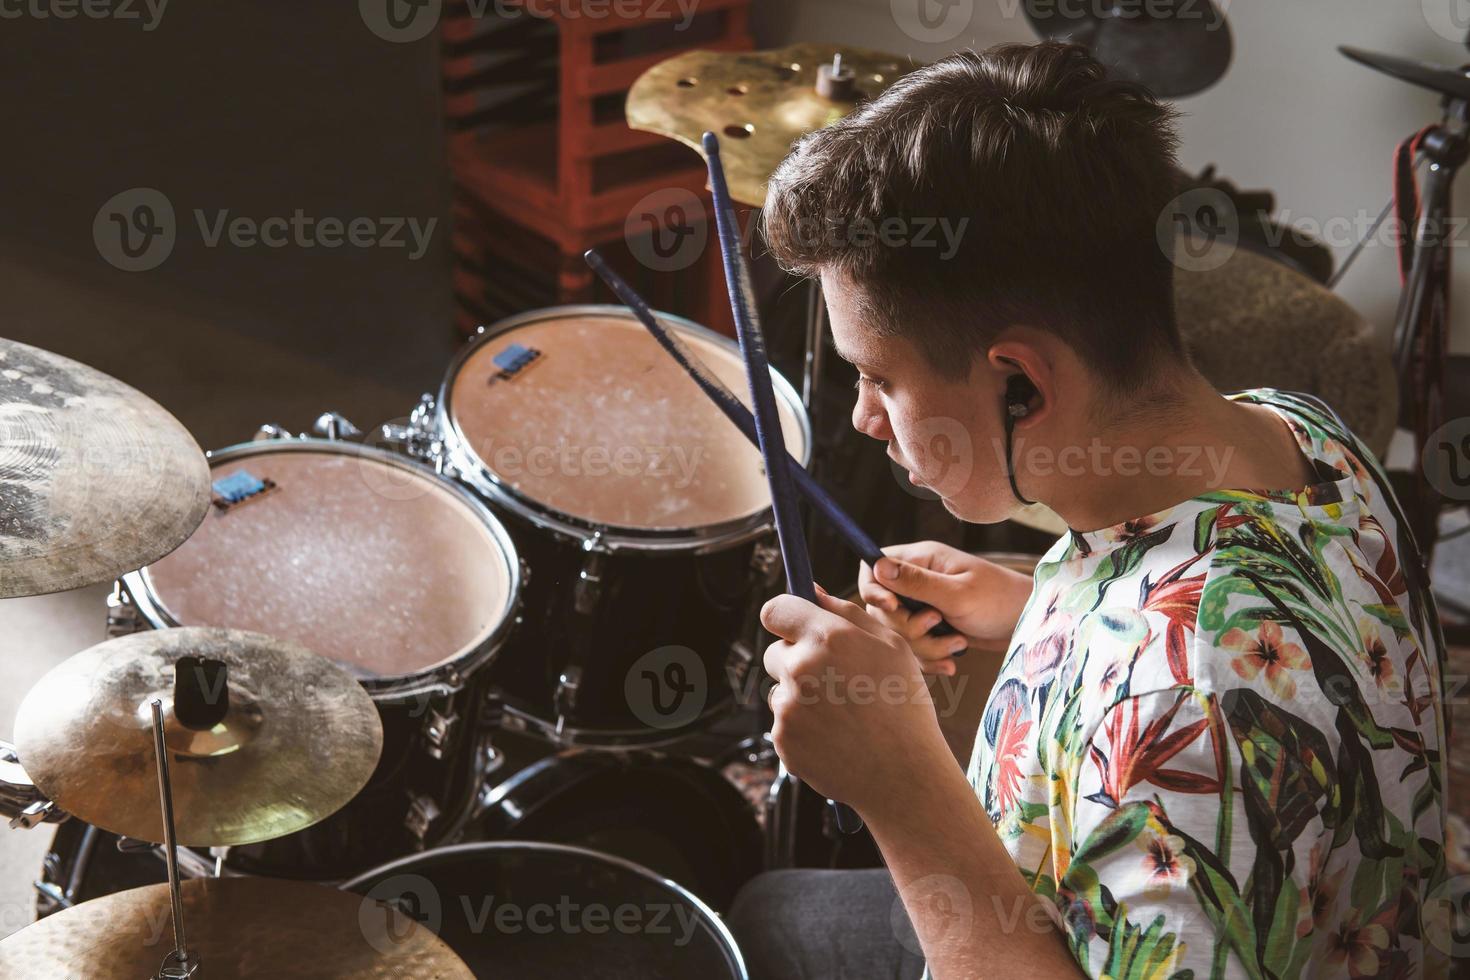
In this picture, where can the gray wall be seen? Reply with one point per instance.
(1292, 115)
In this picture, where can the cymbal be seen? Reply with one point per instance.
(299, 741)
(96, 479)
(1453, 82)
(1173, 53)
(237, 928)
(758, 102)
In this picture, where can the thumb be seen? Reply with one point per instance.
(914, 581)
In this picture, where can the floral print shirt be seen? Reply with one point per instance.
(1215, 741)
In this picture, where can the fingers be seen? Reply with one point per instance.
(871, 592)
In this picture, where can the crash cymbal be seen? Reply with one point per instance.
(237, 928)
(1175, 47)
(757, 102)
(96, 479)
(1453, 82)
(299, 740)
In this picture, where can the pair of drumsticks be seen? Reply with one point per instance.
(785, 475)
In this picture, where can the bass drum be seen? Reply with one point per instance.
(538, 911)
(682, 820)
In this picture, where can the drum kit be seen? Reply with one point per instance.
(464, 695)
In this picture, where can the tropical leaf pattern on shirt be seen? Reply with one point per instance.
(1215, 742)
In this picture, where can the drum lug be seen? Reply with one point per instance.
(765, 561)
(39, 812)
(439, 731)
(422, 812)
(417, 438)
(566, 693)
(588, 591)
(270, 431)
(122, 614)
(334, 426)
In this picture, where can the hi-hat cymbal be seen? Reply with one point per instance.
(299, 741)
(1175, 49)
(757, 102)
(1454, 82)
(96, 479)
(236, 928)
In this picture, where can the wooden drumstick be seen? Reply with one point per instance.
(767, 420)
(734, 409)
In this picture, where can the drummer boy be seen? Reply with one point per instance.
(1214, 746)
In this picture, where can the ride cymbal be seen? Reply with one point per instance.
(299, 740)
(96, 479)
(758, 102)
(236, 928)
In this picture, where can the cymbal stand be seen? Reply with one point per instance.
(1421, 328)
(179, 964)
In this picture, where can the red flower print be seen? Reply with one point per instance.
(1266, 653)
(1010, 751)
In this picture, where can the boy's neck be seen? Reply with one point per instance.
(1198, 443)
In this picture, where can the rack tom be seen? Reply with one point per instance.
(643, 514)
(377, 563)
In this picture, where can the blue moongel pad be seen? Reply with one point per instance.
(239, 485)
(515, 357)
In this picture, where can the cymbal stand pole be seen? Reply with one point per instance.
(1421, 329)
(180, 964)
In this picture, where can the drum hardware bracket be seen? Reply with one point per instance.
(335, 426)
(566, 694)
(270, 431)
(417, 438)
(765, 561)
(122, 614)
(439, 730)
(422, 812)
(588, 590)
(39, 812)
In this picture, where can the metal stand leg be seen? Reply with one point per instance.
(180, 964)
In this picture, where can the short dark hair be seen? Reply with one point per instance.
(1061, 174)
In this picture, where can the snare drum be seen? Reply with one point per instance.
(642, 512)
(403, 578)
(548, 911)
